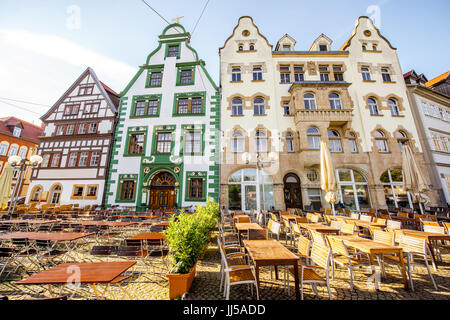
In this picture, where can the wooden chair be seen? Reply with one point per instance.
(242, 219)
(437, 245)
(446, 225)
(348, 229)
(402, 214)
(354, 216)
(275, 229)
(315, 218)
(254, 234)
(318, 238)
(303, 251)
(380, 220)
(366, 218)
(393, 225)
(229, 239)
(234, 259)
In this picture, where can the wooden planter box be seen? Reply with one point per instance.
(180, 283)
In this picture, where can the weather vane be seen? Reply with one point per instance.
(177, 20)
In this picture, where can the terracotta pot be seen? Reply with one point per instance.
(180, 283)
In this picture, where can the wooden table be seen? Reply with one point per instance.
(31, 221)
(89, 273)
(373, 248)
(52, 236)
(272, 253)
(289, 217)
(319, 228)
(105, 223)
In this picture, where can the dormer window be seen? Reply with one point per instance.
(241, 47)
(17, 132)
(364, 47)
(286, 47)
(252, 47)
(323, 47)
(374, 47)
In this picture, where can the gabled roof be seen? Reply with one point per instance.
(286, 36)
(110, 95)
(438, 79)
(29, 132)
(322, 36)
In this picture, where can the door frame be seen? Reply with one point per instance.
(291, 185)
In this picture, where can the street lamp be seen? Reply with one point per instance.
(22, 165)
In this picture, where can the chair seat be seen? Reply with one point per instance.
(236, 261)
(396, 259)
(308, 274)
(241, 275)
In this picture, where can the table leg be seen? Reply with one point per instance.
(372, 266)
(433, 257)
(276, 272)
(403, 270)
(297, 282)
(257, 278)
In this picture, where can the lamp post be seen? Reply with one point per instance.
(22, 165)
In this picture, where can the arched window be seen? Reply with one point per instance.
(374, 47)
(257, 74)
(238, 142)
(23, 152)
(381, 141)
(13, 150)
(373, 106)
(252, 47)
(261, 141)
(385, 74)
(259, 106)
(335, 101)
(313, 135)
(236, 107)
(241, 47)
(353, 189)
(55, 195)
(4, 148)
(393, 105)
(335, 141)
(402, 138)
(36, 194)
(364, 47)
(245, 190)
(392, 181)
(236, 74)
(310, 101)
(352, 142)
(290, 142)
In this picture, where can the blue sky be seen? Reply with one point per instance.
(41, 55)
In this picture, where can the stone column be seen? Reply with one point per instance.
(278, 197)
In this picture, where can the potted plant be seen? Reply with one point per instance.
(188, 236)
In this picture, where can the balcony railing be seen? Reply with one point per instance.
(325, 115)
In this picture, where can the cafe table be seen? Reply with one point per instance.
(92, 274)
(272, 253)
(373, 248)
(319, 228)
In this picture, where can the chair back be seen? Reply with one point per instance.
(254, 234)
(446, 226)
(315, 218)
(269, 224)
(321, 255)
(133, 243)
(434, 229)
(383, 237)
(354, 216)
(318, 238)
(296, 229)
(337, 246)
(431, 217)
(56, 228)
(429, 223)
(336, 224)
(275, 229)
(103, 250)
(242, 219)
(304, 246)
(385, 216)
(393, 225)
(402, 214)
(273, 216)
(413, 244)
(366, 218)
(380, 220)
(131, 251)
(348, 229)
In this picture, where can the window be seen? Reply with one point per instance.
(238, 142)
(163, 142)
(59, 130)
(127, 190)
(312, 175)
(310, 101)
(286, 47)
(136, 144)
(252, 47)
(335, 101)
(78, 191)
(55, 195)
(323, 47)
(395, 195)
(257, 74)
(173, 51)
(286, 108)
(152, 107)
(259, 106)
(193, 142)
(186, 77)
(381, 141)
(45, 160)
(91, 107)
(83, 159)
(84, 91)
(374, 47)
(73, 159)
(92, 191)
(23, 152)
(36, 195)
(353, 189)
(95, 157)
(298, 74)
(197, 104)
(395, 111)
(236, 74)
(17, 131)
(261, 141)
(183, 106)
(373, 106)
(155, 79)
(196, 188)
(70, 129)
(236, 107)
(285, 74)
(364, 47)
(146, 107)
(56, 159)
(338, 75)
(92, 128)
(386, 76)
(3, 148)
(366, 74)
(335, 141)
(193, 105)
(13, 150)
(402, 138)
(313, 135)
(324, 75)
(82, 128)
(352, 142)
(290, 142)
(241, 47)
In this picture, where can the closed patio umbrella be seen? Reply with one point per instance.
(328, 181)
(5, 185)
(413, 180)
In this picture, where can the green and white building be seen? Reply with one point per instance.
(165, 152)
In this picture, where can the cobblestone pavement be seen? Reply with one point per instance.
(149, 283)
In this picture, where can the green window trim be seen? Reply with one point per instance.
(121, 180)
(151, 70)
(146, 98)
(199, 175)
(185, 68)
(173, 44)
(190, 96)
(163, 129)
(192, 127)
(131, 131)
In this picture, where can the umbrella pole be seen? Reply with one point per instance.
(332, 209)
(420, 206)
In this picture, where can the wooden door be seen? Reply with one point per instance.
(292, 192)
(162, 198)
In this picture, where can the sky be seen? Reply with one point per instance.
(45, 45)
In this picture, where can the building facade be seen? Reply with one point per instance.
(278, 103)
(18, 138)
(165, 153)
(431, 110)
(76, 145)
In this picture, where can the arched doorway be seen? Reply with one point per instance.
(292, 191)
(162, 191)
